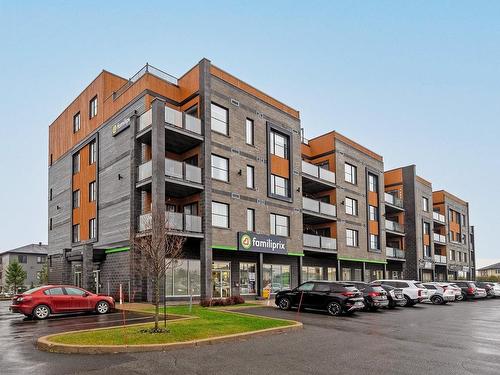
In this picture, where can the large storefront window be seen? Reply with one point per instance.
(183, 278)
(248, 278)
(312, 273)
(371, 275)
(332, 274)
(221, 279)
(351, 274)
(276, 277)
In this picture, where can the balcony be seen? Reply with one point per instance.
(176, 222)
(316, 179)
(316, 212)
(313, 242)
(439, 238)
(441, 259)
(438, 218)
(394, 227)
(395, 253)
(393, 201)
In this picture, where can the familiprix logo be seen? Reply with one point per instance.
(262, 243)
(246, 241)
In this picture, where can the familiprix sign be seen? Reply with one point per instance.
(248, 241)
(122, 125)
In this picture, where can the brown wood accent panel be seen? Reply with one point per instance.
(280, 167)
(373, 199)
(374, 227)
(358, 147)
(427, 239)
(393, 177)
(232, 80)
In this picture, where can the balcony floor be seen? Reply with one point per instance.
(315, 185)
(311, 218)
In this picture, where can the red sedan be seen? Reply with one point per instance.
(56, 299)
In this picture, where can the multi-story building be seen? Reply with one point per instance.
(342, 210)
(491, 271)
(224, 165)
(31, 257)
(418, 222)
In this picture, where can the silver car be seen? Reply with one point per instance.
(439, 294)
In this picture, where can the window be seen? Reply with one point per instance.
(220, 168)
(332, 274)
(76, 233)
(427, 228)
(351, 206)
(276, 277)
(279, 144)
(74, 292)
(427, 251)
(76, 122)
(351, 173)
(54, 292)
(279, 186)
(249, 131)
(220, 119)
(191, 209)
(50, 194)
(76, 163)
(279, 225)
(452, 254)
(374, 242)
(220, 215)
(306, 287)
(92, 229)
(465, 257)
(372, 183)
(373, 213)
(248, 278)
(76, 199)
(93, 107)
(183, 277)
(312, 273)
(50, 224)
(92, 191)
(40, 259)
(251, 219)
(22, 259)
(425, 204)
(250, 177)
(92, 152)
(352, 237)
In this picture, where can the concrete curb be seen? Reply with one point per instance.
(44, 343)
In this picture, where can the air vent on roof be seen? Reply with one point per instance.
(235, 102)
(235, 196)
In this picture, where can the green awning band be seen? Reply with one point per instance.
(117, 250)
(363, 260)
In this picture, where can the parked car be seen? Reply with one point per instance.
(413, 291)
(489, 287)
(439, 294)
(334, 297)
(456, 289)
(496, 289)
(374, 295)
(43, 301)
(470, 290)
(394, 295)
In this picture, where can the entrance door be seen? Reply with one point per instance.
(221, 279)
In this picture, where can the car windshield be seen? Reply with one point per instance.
(418, 285)
(30, 291)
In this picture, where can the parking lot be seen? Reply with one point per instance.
(458, 338)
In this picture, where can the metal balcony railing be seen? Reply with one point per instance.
(392, 199)
(440, 259)
(438, 217)
(439, 238)
(320, 242)
(318, 207)
(393, 252)
(175, 221)
(173, 168)
(318, 172)
(393, 226)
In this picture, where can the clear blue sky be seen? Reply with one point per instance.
(418, 82)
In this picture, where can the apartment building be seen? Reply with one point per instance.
(226, 166)
(418, 223)
(31, 257)
(342, 210)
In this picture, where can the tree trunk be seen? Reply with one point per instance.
(157, 301)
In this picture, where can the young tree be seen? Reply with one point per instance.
(156, 249)
(43, 275)
(15, 276)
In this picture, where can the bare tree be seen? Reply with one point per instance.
(157, 248)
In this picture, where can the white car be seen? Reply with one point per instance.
(496, 289)
(480, 293)
(458, 291)
(439, 294)
(413, 291)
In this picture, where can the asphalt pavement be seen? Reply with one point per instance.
(458, 338)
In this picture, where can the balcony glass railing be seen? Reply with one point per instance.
(175, 221)
(439, 238)
(174, 169)
(393, 252)
(318, 172)
(320, 242)
(393, 226)
(182, 120)
(319, 207)
(438, 217)
(439, 259)
(145, 120)
(144, 171)
(392, 199)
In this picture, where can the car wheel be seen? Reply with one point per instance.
(459, 297)
(102, 307)
(408, 301)
(41, 312)
(284, 303)
(437, 300)
(334, 308)
(392, 304)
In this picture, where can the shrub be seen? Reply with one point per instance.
(234, 300)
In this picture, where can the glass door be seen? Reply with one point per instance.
(221, 279)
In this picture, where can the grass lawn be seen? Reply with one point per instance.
(208, 323)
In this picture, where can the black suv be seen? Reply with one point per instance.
(375, 296)
(335, 298)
